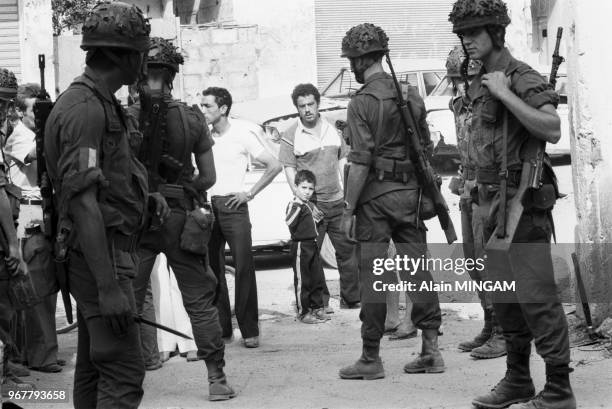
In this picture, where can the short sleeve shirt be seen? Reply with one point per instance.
(303, 148)
(485, 125)
(18, 145)
(231, 151)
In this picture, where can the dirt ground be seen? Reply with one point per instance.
(297, 365)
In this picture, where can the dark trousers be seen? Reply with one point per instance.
(148, 334)
(7, 313)
(195, 280)
(41, 338)
(392, 216)
(233, 226)
(308, 277)
(109, 369)
(533, 312)
(346, 255)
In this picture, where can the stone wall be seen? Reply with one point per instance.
(590, 106)
(36, 38)
(220, 56)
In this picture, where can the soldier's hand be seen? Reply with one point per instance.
(347, 226)
(116, 311)
(162, 210)
(237, 199)
(497, 83)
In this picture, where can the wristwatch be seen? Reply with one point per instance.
(250, 195)
(347, 207)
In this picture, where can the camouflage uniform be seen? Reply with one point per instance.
(89, 146)
(534, 311)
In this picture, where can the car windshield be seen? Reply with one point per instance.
(445, 88)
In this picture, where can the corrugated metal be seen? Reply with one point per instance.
(416, 28)
(9, 36)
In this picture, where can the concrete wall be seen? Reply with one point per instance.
(286, 42)
(222, 57)
(36, 38)
(590, 106)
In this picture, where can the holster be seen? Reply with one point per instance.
(197, 230)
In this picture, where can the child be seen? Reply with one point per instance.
(308, 275)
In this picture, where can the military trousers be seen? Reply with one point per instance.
(109, 369)
(346, 255)
(473, 221)
(392, 216)
(195, 279)
(233, 226)
(533, 311)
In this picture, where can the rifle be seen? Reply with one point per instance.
(425, 173)
(42, 109)
(531, 176)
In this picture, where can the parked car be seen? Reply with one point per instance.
(442, 124)
(424, 74)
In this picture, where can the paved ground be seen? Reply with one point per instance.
(297, 365)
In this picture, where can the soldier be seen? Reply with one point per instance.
(10, 255)
(185, 133)
(509, 104)
(460, 71)
(382, 192)
(101, 191)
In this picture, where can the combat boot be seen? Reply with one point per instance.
(481, 338)
(493, 348)
(557, 392)
(430, 359)
(218, 388)
(515, 387)
(368, 367)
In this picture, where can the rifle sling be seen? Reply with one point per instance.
(503, 180)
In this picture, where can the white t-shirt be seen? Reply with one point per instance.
(231, 152)
(21, 142)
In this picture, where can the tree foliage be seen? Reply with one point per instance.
(70, 14)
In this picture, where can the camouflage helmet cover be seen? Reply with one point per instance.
(8, 84)
(117, 25)
(467, 14)
(163, 53)
(364, 39)
(455, 60)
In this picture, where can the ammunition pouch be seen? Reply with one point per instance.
(37, 253)
(21, 291)
(13, 192)
(392, 170)
(197, 230)
(468, 173)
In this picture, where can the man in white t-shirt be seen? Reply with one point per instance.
(234, 143)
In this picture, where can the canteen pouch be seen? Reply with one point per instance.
(197, 230)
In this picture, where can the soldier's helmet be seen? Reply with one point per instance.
(468, 14)
(162, 53)
(364, 39)
(8, 84)
(454, 63)
(116, 25)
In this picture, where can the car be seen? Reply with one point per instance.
(442, 125)
(424, 74)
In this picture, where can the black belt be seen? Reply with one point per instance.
(31, 202)
(492, 176)
(125, 243)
